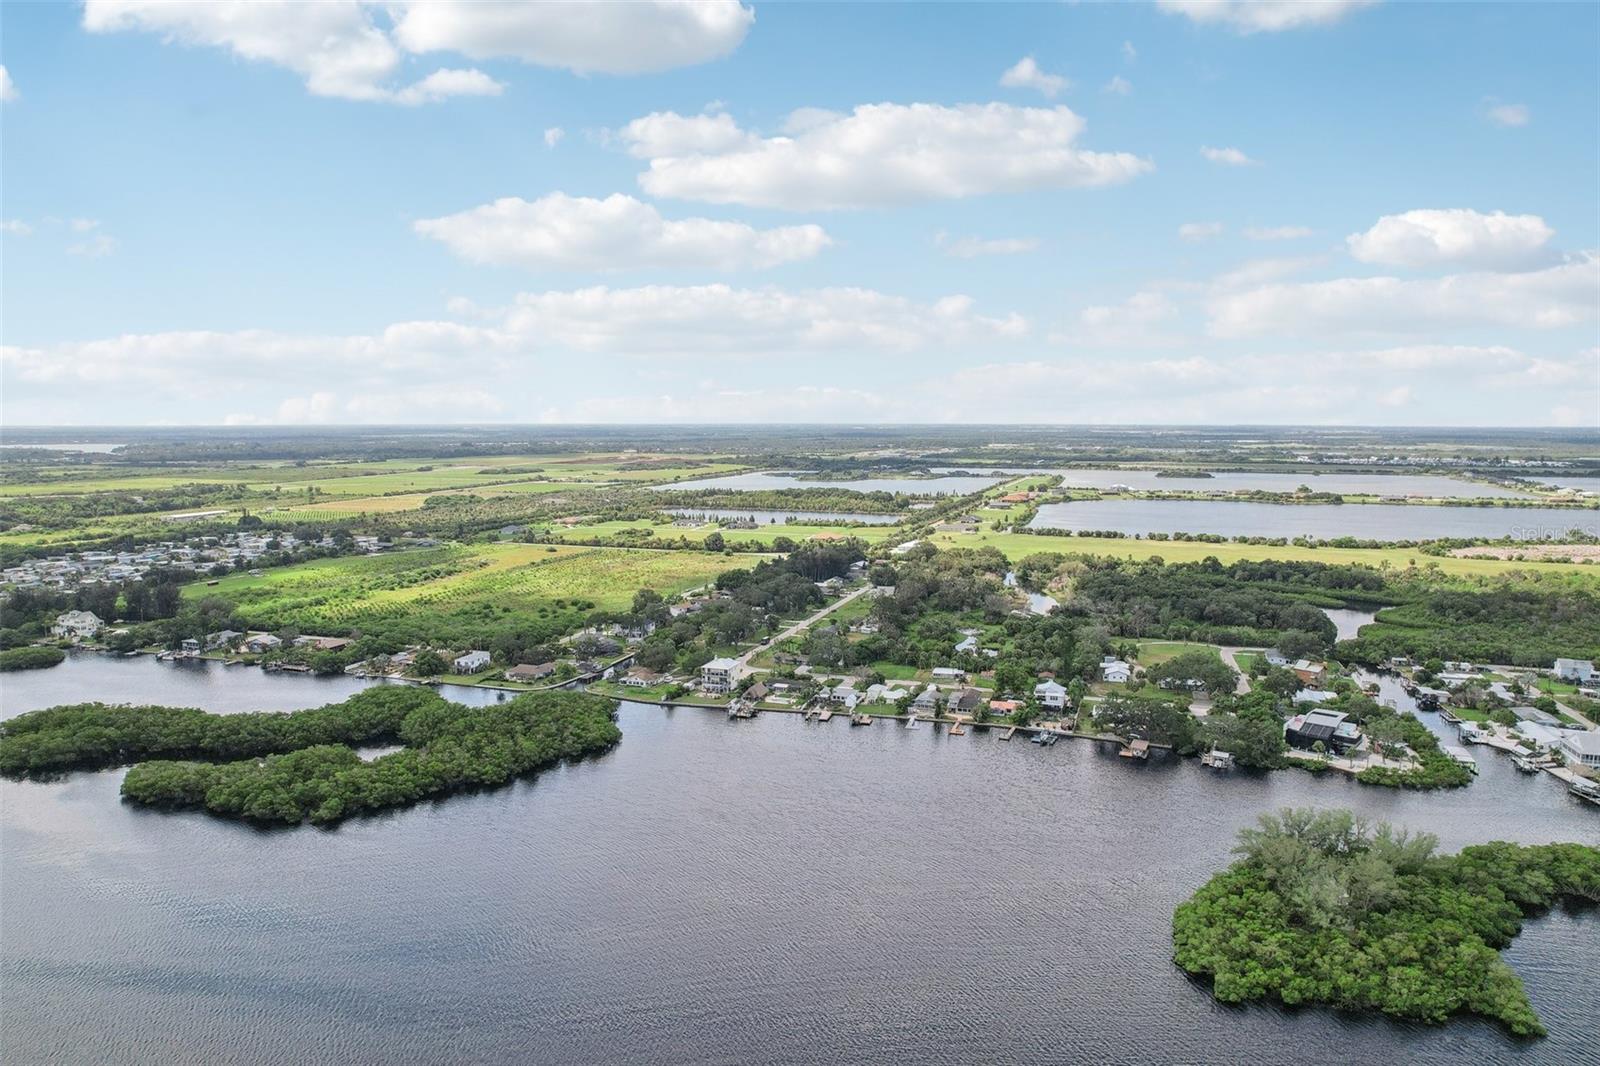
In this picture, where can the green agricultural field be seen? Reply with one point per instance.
(695, 534)
(490, 582)
(1017, 545)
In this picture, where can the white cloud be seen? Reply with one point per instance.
(1458, 236)
(1026, 74)
(638, 37)
(82, 225)
(973, 247)
(343, 49)
(537, 334)
(1559, 296)
(95, 247)
(879, 154)
(334, 45)
(1229, 157)
(1264, 16)
(443, 84)
(617, 233)
(1118, 86)
(706, 319)
(16, 227)
(1200, 231)
(1133, 323)
(8, 88)
(1261, 271)
(553, 136)
(1508, 114)
(1129, 52)
(1276, 233)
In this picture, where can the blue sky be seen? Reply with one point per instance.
(1333, 212)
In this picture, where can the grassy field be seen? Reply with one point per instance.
(765, 534)
(1155, 652)
(498, 579)
(1017, 545)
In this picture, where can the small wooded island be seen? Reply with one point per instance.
(292, 767)
(1324, 908)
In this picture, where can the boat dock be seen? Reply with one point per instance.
(1136, 749)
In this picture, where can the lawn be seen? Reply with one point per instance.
(1155, 652)
(1017, 545)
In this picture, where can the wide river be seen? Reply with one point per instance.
(1365, 521)
(708, 892)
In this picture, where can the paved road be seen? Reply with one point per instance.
(1242, 686)
(798, 627)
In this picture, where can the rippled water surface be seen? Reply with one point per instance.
(709, 892)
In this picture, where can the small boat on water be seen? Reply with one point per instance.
(1217, 760)
(1136, 749)
(1045, 739)
(1428, 702)
(1585, 789)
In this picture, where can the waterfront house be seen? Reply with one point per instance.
(530, 672)
(257, 643)
(471, 662)
(718, 675)
(757, 691)
(1582, 748)
(927, 701)
(967, 701)
(1579, 670)
(77, 625)
(1309, 673)
(1004, 706)
(1115, 670)
(222, 639)
(1050, 695)
(640, 677)
(1333, 728)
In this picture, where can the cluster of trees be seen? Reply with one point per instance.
(1323, 907)
(1239, 604)
(449, 749)
(30, 658)
(795, 499)
(756, 600)
(92, 736)
(1521, 624)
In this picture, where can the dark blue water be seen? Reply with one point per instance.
(1371, 521)
(708, 892)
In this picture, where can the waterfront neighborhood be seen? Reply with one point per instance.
(709, 532)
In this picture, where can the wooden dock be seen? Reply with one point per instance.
(957, 729)
(861, 719)
(1009, 733)
(824, 715)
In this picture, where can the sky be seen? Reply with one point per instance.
(1324, 212)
